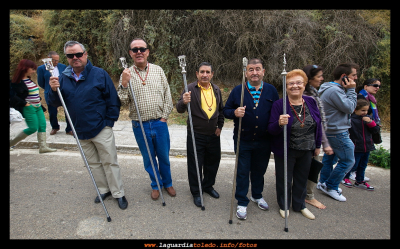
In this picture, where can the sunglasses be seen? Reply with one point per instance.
(135, 50)
(78, 55)
(374, 85)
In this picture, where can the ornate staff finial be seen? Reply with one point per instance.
(182, 62)
(123, 62)
(245, 61)
(284, 64)
(48, 63)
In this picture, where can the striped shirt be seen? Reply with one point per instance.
(254, 93)
(154, 98)
(33, 97)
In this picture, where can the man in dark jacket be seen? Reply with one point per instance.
(93, 105)
(208, 120)
(254, 149)
(43, 77)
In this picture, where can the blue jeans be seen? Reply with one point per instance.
(361, 162)
(252, 164)
(157, 135)
(343, 149)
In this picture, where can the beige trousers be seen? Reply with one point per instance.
(101, 155)
(310, 189)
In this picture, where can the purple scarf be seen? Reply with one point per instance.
(372, 100)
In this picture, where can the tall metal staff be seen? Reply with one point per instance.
(245, 61)
(182, 63)
(125, 65)
(285, 142)
(49, 67)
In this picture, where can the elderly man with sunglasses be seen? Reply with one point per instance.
(93, 105)
(153, 95)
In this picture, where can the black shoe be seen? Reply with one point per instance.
(103, 196)
(213, 193)
(122, 202)
(197, 201)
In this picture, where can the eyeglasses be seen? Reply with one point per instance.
(78, 55)
(135, 50)
(374, 85)
(299, 83)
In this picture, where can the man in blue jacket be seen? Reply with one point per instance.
(93, 105)
(254, 149)
(43, 77)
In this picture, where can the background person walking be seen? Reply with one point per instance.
(315, 78)
(361, 130)
(24, 97)
(339, 99)
(43, 77)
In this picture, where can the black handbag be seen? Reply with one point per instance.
(376, 136)
(315, 168)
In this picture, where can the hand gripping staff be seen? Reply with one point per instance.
(238, 139)
(285, 142)
(49, 66)
(182, 63)
(125, 65)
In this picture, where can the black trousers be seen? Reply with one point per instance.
(298, 167)
(208, 149)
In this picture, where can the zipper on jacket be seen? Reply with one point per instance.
(365, 146)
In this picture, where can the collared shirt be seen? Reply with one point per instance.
(208, 100)
(56, 72)
(153, 98)
(77, 78)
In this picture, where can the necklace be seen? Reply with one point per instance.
(255, 101)
(298, 116)
(212, 99)
(143, 80)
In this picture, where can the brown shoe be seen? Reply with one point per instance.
(54, 131)
(171, 191)
(155, 194)
(70, 133)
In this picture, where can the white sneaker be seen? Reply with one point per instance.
(335, 194)
(319, 185)
(353, 177)
(262, 204)
(323, 184)
(241, 212)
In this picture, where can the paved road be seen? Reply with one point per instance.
(51, 197)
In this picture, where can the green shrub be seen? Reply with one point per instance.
(26, 37)
(380, 157)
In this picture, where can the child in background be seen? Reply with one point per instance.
(362, 127)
